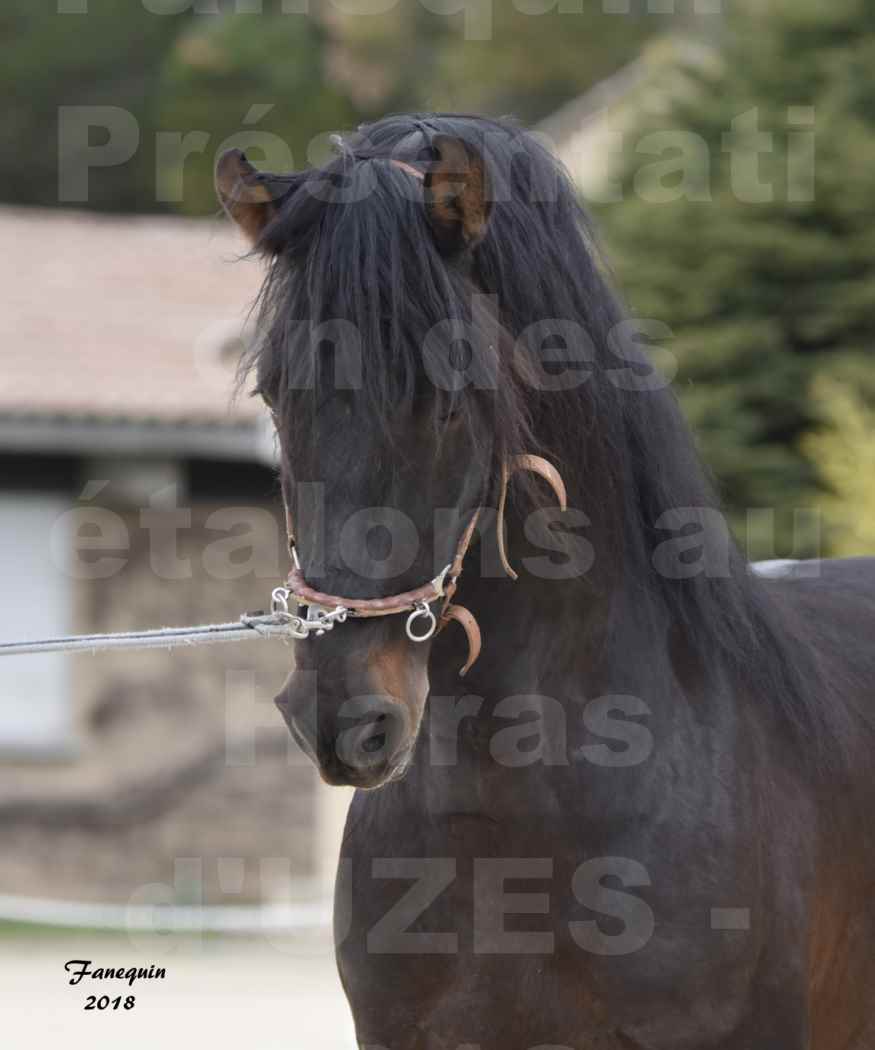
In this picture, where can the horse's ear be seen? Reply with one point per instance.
(249, 196)
(458, 194)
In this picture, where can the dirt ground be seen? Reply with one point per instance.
(219, 993)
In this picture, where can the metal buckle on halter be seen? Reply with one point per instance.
(279, 606)
(321, 620)
(440, 581)
(318, 619)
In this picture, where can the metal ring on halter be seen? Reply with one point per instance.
(419, 611)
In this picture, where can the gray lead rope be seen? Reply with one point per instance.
(277, 624)
(280, 622)
(247, 628)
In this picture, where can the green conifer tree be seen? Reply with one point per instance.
(745, 224)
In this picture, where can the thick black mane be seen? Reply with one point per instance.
(354, 245)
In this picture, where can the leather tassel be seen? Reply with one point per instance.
(472, 630)
(537, 465)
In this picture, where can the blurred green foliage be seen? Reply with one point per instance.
(193, 79)
(535, 59)
(761, 294)
(843, 451)
(108, 57)
(251, 82)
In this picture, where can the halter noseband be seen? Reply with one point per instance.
(325, 610)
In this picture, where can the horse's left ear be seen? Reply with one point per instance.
(458, 194)
(248, 195)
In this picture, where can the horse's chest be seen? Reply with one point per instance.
(453, 943)
(457, 931)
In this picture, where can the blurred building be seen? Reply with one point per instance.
(590, 133)
(137, 491)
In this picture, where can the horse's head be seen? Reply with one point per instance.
(383, 369)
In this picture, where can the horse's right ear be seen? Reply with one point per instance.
(458, 194)
(248, 195)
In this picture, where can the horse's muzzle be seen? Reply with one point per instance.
(356, 718)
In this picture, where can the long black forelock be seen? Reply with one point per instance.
(359, 297)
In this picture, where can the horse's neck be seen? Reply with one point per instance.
(549, 634)
(546, 619)
(564, 663)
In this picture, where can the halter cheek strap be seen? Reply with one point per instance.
(325, 610)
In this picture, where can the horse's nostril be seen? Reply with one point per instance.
(374, 743)
(377, 741)
(370, 743)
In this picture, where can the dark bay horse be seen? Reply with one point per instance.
(644, 818)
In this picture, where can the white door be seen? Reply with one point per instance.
(35, 602)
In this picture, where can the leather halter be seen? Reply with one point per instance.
(332, 608)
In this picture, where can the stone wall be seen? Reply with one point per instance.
(182, 762)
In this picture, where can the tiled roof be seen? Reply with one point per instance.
(122, 318)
